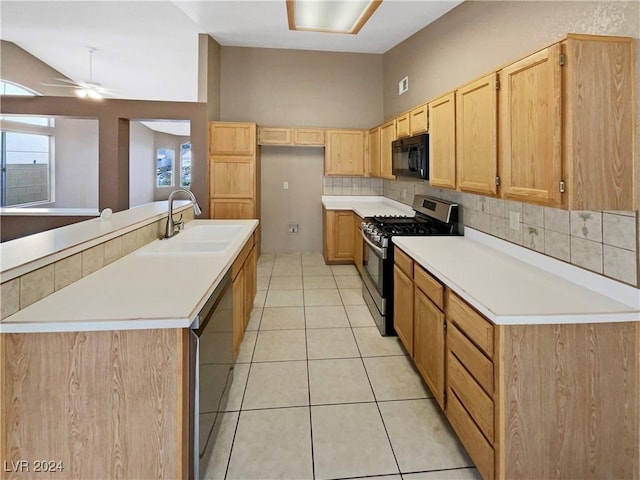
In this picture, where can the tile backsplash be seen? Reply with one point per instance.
(603, 242)
(351, 186)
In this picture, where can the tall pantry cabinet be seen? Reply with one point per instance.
(234, 171)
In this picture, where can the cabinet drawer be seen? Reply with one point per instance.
(475, 400)
(431, 287)
(471, 323)
(404, 262)
(480, 451)
(479, 366)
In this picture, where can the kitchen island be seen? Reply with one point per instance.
(95, 377)
(534, 362)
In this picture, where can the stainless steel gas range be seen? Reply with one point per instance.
(432, 217)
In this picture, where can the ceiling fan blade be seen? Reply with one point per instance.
(66, 81)
(58, 85)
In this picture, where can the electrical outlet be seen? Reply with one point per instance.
(514, 221)
(285, 185)
(294, 227)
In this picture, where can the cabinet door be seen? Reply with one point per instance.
(223, 208)
(402, 125)
(238, 311)
(339, 234)
(232, 179)
(344, 152)
(477, 136)
(387, 136)
(274, 136)
(308, 136)
(531, 128)
(442, 142)
(250, 283)
(429, 345)
(418, 120)
(374, 152)
(232, 139)
(358, 243)
(403, 308)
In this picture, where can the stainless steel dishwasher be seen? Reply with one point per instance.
(211, 374)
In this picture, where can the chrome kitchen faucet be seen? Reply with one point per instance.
(170, 231)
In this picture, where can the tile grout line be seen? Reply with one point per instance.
(306, 348)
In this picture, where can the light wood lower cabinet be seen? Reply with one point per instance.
(110, 404)
(526, 401)
(339, 235)
(244, 275)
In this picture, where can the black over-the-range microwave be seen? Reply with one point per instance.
(411, 157)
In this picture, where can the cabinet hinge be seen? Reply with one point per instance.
(444, 327)
(562, 186)
(563, 59)
(497, 181)
(497, 84)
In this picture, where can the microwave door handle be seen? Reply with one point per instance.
(381, 252)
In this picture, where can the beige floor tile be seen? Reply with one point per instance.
(265, 269)
(246, 347)
(349, 281)
(277, 384)
(338, 381)
(344, 270)
(312, 259)
(286, 283)
(316, 282)
(261, 296)
(213, 465)
(263, 283)
(275, 345)
(286, 271)
(350, 441)
(266, 258)
(316, 270)
(284, 298)
(316, 298)
(288, 259)
(359, 316)
(394, 378)
(328, 316)
(331, 343)
(271, 444)
(282, 318)
(421, 436)
(453, 474)
(254, 319)
(372, 344)
(351, 296)
(238, 384)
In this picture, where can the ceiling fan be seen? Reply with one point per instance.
(88, 88)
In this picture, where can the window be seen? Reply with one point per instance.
(185, 164)
(164, 167)
(25, 156)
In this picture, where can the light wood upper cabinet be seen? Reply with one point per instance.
(387, 136)
(418, 120)
(531, 128)
(402, 125)
(308, 137)
(274, 136)
(232, 138)
(477, 136)
(566, 125)
(344, 152)
(374, 152)
(442, 141)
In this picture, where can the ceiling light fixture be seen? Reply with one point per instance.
(334, 16)
(90, 89)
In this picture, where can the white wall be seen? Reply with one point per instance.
(76, 163)
(141, 164)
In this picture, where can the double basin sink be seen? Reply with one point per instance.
(200, 239)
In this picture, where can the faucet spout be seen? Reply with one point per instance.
(170, 230)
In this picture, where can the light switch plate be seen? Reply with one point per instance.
(285, 185)
(514, 221)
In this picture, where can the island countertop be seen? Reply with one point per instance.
(142, 290)
(510, 291)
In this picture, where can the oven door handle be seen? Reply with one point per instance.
(381, 252)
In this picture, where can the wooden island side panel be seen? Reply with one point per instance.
(108, 405)
(569, 405)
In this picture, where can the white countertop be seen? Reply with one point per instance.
(26, 254)
(510, 291)
(367, 206)
(48, 212)
(139, 291)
